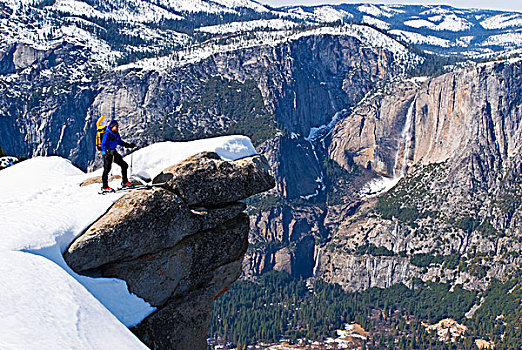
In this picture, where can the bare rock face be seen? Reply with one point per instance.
(177, 256)
(457, 136)
(206, 180)
(177, 270)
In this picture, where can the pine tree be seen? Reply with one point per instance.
(2, 152)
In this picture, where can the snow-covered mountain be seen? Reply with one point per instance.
(122, 31)
(439, 28)
(288, 77)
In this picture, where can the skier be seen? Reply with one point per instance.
(111, 139)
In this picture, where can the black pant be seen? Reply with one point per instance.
(107, 165)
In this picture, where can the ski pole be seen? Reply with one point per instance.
(132, 155)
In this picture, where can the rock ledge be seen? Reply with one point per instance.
(177, 247)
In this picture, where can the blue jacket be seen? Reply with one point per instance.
(111, 140)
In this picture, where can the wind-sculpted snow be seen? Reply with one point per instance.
(44, 303)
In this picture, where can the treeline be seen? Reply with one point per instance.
(280, 306)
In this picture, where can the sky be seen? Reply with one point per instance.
(511, 5)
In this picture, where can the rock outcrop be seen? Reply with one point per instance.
(292, 87)
(455, 216)
(177, 247)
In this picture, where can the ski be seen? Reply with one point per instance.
(135, 187)
(139, 187)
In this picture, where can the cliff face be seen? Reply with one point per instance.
(456, 214)
(303, 83)
(51, 106)
(177, 247)
(452, 115)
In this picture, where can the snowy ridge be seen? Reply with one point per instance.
(44, 302)
(377, 11)
(367, 35)
(502, 21)
(416, 38)
(151, 28)
(236, 27)
(329, 14)
(449, 22)
(507, 40)
(376, 22)
(432, 27)
(242, 4)
(131, 10)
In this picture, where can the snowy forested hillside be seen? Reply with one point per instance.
(123, 31)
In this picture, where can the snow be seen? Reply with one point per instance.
(329, 14)
(450, 22)
(100, 50)
(393, 9)
(376, 22)
(435, 11)
(149, 34)
(419, 23)
(378, 186)
(437, 18)
(465, 41)
(43, 307)
(502, 21)
(368, 36)
(507, 39)
(376, 11)
(7, 161)
(215, 6)
(131, 10)
(234, 27)
(168, 153)
(242, 3)
(320, 132)
(44, 303)
(298, 13)
(416, 38)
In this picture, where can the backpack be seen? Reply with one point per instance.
(101, 129)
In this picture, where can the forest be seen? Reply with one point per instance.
(279, 306)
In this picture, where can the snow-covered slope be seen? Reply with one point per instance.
(236, 27)
(367, 35)
(117, 32)
(44, 303)
(431, 27)
(505, 20)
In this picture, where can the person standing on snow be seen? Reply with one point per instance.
(111, 140)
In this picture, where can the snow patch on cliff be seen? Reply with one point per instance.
(378, 186)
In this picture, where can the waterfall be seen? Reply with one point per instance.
(404, 143)
(316, 264)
